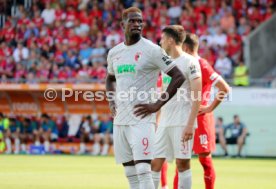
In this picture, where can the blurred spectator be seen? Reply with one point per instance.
(237, 134)
(85, 52)
(174, 11)
(104, 134)
(220, 38)
(29, 132)
(48, 131)
(220, 138)
(13, 133)
(223, 65)
(71, 59)
(84, 71)
(98, 71)
(48, 14)
(4, 126)
(113, 36)
(32, 31)
(98, 53)
(20, 73)
(227, 21)
(21, 53)
(86, 131)
(242, 26)
(63, 127)
(241, 77)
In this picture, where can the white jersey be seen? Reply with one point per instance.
(136, 68)
(176, 112)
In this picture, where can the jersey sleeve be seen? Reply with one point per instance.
(110, 69)
(193, 70)
(162, 60)
(209, 73)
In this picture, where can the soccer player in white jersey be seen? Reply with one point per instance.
(174, 135)
(134, 65)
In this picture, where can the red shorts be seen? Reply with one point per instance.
(205, 134)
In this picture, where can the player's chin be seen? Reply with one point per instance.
(135, 33)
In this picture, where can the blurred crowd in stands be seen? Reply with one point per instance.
(18, 131)
(68, 40)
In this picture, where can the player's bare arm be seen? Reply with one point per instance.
(223, 90)
(196, 85)
(177, 80)
(109, 84)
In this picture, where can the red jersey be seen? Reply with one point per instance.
(205, 139)
(208, 77)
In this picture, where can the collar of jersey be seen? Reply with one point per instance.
(134, 45)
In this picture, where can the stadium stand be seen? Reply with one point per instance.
(57, 40)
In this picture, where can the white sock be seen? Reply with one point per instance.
(105, 150)
(23, 147)
(17, 145)
(156, 178)
(185, 179)
(46, 146)
(82, 148)
(96, 149)
(132, 177)
(9, 145)
(37, 143)
(144, 175)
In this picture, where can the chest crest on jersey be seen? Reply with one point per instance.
(137, 56)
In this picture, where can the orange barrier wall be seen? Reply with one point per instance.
(29, 99)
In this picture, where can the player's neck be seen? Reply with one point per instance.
(176, 52)
(194, 54)
(131, 40)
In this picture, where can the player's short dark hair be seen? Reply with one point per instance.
(129, 10)
(220, 119)
(236, 116)
(177, 32)
(192, 42)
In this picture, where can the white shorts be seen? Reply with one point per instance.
(168, 144)
(133, 142)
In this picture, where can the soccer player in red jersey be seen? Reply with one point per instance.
(204, 139)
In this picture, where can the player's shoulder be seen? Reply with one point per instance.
(189, 58)
(204, 63)
(149, 46)
(116, 49)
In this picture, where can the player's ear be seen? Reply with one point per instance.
(184, 47)
(143, 25)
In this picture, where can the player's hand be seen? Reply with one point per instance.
(187, 134)
(112, 107)
(204, 109)
(144, 110)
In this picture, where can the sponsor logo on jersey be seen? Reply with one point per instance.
(117, 58)
(167, 60)
(166, 79)
(193, 69)
(126, 68)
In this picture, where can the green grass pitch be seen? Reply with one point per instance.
(86, 172)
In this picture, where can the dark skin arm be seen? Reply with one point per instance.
(144, 110)
(109, 84)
